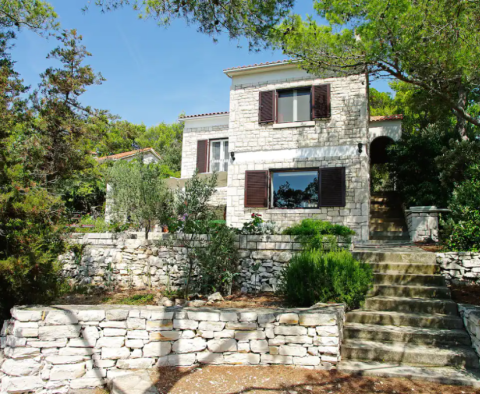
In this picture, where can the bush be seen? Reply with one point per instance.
(218, 260)
(313, 276)
(258, 226)
(314, 234)
(462, 230)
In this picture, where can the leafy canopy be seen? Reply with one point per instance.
(434, 45)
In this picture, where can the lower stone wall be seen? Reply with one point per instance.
(460, 267)
(471, 318)
(109, 261)
(56, 349)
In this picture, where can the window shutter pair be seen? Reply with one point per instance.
(202, 156)
(321, 107)
(331, 184)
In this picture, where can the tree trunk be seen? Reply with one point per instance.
(461, 122)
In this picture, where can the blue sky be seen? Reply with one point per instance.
(153, 73)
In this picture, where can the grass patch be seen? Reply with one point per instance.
(136, 299)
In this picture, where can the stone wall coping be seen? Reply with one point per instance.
(323, 308)
(426, 209)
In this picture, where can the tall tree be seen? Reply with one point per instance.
(36, 15)
(434, 45)
(252, 19)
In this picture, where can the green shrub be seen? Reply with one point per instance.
(313, 276)
(218, 260)
(462, 230)
(314, 234)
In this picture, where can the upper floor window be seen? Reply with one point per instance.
(294, 105)
(218, 155)
(212, 155)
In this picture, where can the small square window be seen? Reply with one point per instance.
(295, 189)
(294, 105)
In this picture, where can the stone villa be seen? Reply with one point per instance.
(293, 146)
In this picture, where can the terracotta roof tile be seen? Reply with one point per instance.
(199, 115)
(385, 118)
(257, 65)
(127, 154)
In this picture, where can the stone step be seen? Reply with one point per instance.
(411, 305)
(396, 257)
(440, 292)
(399, 220)
(389, 235)
(390, 318)
(388, 226)
(421, 336)
(450, 376)
(405, 268)
(381, 278)
(455, 356)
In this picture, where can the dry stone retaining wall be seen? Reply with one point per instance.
(460, 267)
(138, 263)
(54, 349)
(471, 319)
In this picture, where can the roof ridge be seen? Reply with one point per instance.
(206, 114)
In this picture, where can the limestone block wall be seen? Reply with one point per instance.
(355, 214)
(55, 349)
(460, 267)
(110, 261)
(471, 319)
(422, 223)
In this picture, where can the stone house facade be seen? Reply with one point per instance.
(294, 146)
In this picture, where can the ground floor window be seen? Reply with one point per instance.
(295, 189)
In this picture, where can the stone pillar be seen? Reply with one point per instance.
(422, 223)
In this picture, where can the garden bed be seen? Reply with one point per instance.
(466, 294)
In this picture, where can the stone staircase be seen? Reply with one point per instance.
(408, 326)
(387, 221)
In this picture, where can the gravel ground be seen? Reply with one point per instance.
(288, 380)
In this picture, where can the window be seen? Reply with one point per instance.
(218, 155)
(305, 188)
(293, 105)
(295, 189)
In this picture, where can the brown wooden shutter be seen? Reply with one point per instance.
(332, 187)
(266, 108)
(256, 189)
(321, 102)
(202, 156)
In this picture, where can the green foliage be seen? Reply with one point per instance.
(136, 299)
(257, 226)
(35, 15)
(92, 224)
(189, 215)
(462, 229)
(314, 234)
(252, 19)
(218, 260)
(138, 193)
(381, 103)
(313, 277)
(433, 45)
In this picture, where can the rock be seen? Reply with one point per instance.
(229, 316)
(215, 297)
(274, 359)
(196, 303)
(282, 257)
(25, 329)
(156, 315)
(113, 324)
(241, 326)
(114, 332)
(26, 367)
(326, 341)
(48, 344)
(136, 324)
(25, 315)
(86, 382)
(59, 360)
(168, 303)
(72, 351)
(111, 342)
(138, 363)
(90, 315)
(180, 360)
(185, 324)
(110, 353)
(180, 301)
(132, 383)
(164, 336)
(204, 316)
(117, 314)
(159, 325)
(242, 358)
(260, 346)
(189, 345)
(82, 342)
(63, 372)
(290, 330)
(265, 318)
(21, 352)
(288, 318)
(207, 357)
(58, 332)
(309, 360)
(299, 339)
(222, 345)
(224, 334)
(293, 350)
(211, 326)
(60, 318)
(137, 334)
(328, 331)
(12, 341)
(243, 347)
(317, 319)
(22, 384)
(248, 316)
(249, 335)
(157, 349)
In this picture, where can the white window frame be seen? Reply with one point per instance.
(295, 105)
(221, 161)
